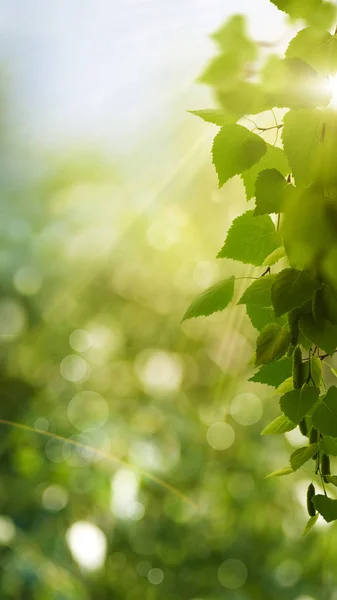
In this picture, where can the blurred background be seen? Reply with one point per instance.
(110, 222)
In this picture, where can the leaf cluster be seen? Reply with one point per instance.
(294, 185)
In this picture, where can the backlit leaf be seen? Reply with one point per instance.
(212, 300)
(236, 149)
(251, 239)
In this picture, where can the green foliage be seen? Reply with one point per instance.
(280, 425)
(292, 305)
(235, 149)
(212, 300)
(324, 417)
(316, 47)
(273, 373)
(271, 344)
(274, 158)
(310, 524)
(259, 235)
(296, 404)
(292, 288)
(326, 507)
(280, 472)
(270, 189)
(302, 455)
(315, 12)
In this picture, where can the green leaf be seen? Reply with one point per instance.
(322, 334)
(292, 83)
(285, 386)
(297, 403)
(331, 479)
(250, 239)
(315, 12)
(232, 38)
(259, 292)
(236, 149)
(329, 445)
(269, 192)
(274, 373)
(326, 507)
(217, 116)
(301, 133)
(274, 257)
(327, 301)
(212, 300)
(312, 521)
(243, 98)
(325, 416)
(274, 158)
(280, 472)
(291, 289)
(221, 70)
(271, 344)
(302, 455)
(280, 425)
(307, 229)
(316, 47)
(260, 316)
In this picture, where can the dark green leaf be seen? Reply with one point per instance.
(250, 239)
(329, 445)
(291, 289)
(324, 417)
(323, 334)
(212, 300)
(236, 149)
(297, 403)
(326, 507)
(274, 373)
(259, 292)
(260, 316)
(302, 455)
(271, 344)
(280, 425)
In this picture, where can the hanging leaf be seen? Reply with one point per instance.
(272, 343)
(326, 507)
(310, 524)
(280, 472)
(250, 239)
(236, 149)
(302, 455)
(212, 300)
(280, 425)
(324, 417)
(291, 289)
(297, 403)
(274, 373)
